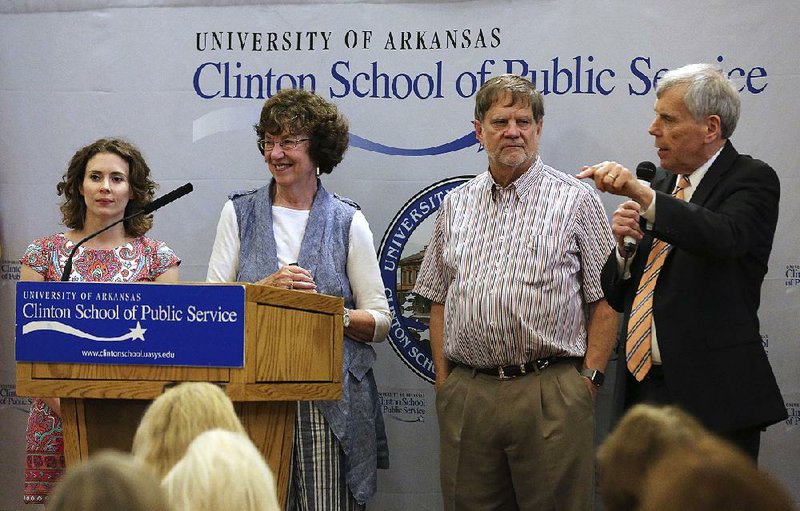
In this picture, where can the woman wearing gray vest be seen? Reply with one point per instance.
(293, 234)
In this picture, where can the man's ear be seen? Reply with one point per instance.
(478, 130)
(713, 128)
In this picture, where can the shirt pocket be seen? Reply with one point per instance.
(536, 259)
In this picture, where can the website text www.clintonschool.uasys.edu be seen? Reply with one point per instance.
(127, 354)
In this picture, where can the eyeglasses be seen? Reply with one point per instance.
(286, 144)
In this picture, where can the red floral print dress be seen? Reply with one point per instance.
(142, 260)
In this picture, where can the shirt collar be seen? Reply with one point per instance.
(522, 185)
(697, 176)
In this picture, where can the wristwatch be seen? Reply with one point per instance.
(346, 318)
(595, 376)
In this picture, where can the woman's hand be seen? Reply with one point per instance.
(291, 277)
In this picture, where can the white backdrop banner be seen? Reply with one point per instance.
(185, 81)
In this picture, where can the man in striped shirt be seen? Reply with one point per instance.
(519, 330)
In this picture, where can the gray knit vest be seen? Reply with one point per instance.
(356, 419)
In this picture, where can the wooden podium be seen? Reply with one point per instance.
(293, 352)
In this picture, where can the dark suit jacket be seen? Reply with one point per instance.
(708, 292)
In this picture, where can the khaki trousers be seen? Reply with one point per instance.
(520, 444)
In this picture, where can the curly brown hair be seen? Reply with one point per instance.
(73, 209)
(300, 112)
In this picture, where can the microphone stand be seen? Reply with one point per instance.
(68, 265)
(146, 210)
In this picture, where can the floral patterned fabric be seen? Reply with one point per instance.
(142, 260)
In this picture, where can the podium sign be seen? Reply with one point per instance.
(146, 324)
(290, 342)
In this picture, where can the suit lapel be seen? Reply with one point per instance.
(718, 169)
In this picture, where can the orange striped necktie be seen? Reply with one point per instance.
(638, 346)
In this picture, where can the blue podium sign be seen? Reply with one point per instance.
(148, 324)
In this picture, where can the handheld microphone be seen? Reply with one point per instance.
(644, 173)
(146, 210)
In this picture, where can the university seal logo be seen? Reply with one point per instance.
(400, 256)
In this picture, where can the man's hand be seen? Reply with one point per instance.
(593, 390)
(625, 222)
(612, 177)
(439, 381)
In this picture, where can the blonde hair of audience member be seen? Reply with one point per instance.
(711, 474)
(642, 437)
(176, 417)
(221, 470)
(108, 480)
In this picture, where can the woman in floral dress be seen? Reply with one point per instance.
(105, 182)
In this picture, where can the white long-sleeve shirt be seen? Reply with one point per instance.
(289, 226)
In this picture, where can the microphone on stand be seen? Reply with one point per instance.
(146, 210)
(644, 173)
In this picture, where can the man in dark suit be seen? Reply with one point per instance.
(692, 332)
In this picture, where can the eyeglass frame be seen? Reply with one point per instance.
(287, 144)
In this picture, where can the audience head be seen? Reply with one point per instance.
(142, 187)
(711, 474)
(639, 440)
(176, 417)
(108, 480)
(221, 470)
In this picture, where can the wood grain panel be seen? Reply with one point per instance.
(129, 372)
(294, 345)
(271, 427)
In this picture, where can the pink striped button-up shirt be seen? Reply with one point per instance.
(515, 267)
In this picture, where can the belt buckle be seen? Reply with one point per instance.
(501, 375)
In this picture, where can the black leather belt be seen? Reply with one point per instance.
(508, 372)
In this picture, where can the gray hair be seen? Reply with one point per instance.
(521, 90)
(709, 92)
